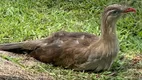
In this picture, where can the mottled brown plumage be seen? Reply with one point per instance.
(74, 50)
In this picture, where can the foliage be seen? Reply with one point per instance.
(22, 20)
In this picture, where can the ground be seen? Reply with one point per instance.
(10, 70)
(23, 67)
(22, 20)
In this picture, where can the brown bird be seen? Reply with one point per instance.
(75, 50)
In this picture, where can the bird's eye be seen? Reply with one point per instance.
(115, 12)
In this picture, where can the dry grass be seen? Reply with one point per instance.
(22, 20)
(12, 71)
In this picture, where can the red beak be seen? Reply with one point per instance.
(129, 10)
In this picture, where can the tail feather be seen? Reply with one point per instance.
(9, 46)
(14, 47)
(21, 47)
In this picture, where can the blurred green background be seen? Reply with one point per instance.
(22, 20)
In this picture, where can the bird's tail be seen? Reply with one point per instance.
(21, 47)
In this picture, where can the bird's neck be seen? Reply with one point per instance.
(108, 38)
(108, 42)
(108, 31)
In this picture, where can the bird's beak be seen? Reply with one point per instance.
(129, 10)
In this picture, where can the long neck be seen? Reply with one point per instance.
(108, 39)
(107, 44)
(108, 29)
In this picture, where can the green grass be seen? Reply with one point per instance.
(22, 20)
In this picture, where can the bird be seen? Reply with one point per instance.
(77, 50)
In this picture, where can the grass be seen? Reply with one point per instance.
(22, 20)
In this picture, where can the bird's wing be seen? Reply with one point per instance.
(67, 36)
(65, 50)
(58, 38)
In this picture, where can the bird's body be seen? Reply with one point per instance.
(74, 50)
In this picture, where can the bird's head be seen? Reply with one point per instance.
(113, 12)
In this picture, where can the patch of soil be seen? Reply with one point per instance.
(12, 71)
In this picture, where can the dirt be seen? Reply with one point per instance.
(11, 71)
